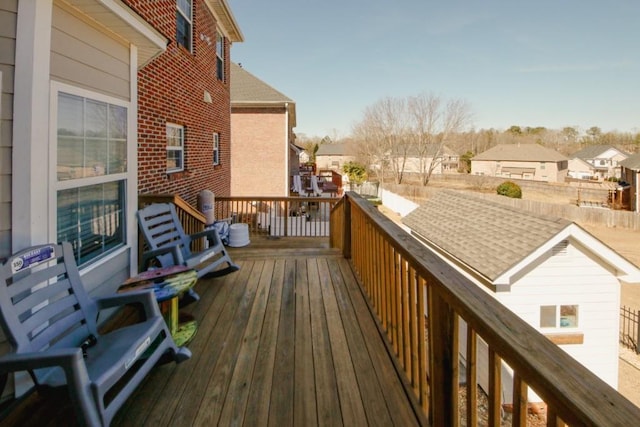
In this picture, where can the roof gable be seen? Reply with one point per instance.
(632, 162)
(521, 153)
(496, 241)
(598, 152)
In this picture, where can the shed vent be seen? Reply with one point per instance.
(561, 248)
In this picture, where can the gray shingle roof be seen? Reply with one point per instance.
(247, 88)
(632, 162)
(521, 152)
(593, 151)
(488, 237)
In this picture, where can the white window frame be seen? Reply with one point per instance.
(189, 20)
(126, 177)
(216, 149)
(558, 325)
(174, 148)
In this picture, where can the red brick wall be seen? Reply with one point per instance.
(171, 90)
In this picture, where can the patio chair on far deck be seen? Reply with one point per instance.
(170, 245)
(51, 324)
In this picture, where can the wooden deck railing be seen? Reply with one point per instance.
(278, 216)
(421, 303)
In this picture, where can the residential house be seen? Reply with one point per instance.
(446, 161)
(550, 272)
(263, 151)
(521, 161)
(630, 174)
(581, 169)
(332, 156)
(184, 128)
(604, 158)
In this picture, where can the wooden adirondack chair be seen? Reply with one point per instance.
(51, 323)
(170, 245)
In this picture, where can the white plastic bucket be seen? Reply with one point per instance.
(238, 235)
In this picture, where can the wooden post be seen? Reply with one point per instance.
(637, 326)
(346, 245)
(441, 348)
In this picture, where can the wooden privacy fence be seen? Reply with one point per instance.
(407, 284)
(629, 331)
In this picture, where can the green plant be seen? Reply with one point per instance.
(510, 189)
(356, 172)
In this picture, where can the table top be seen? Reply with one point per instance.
(166, 282)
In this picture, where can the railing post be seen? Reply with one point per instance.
(441, 348)
(637, 326)
(346, 232)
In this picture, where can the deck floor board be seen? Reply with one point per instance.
(287, 340)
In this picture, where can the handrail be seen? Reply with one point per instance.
(399, 274)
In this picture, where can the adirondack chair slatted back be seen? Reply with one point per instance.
(161, 227)
(43, 302)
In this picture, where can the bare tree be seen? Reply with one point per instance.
(383, 136)
(434, 124)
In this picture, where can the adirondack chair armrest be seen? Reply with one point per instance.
(173, 250)
(210, 233)
(67, 358)
(145, 297)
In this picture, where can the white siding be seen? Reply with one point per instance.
(575, 279)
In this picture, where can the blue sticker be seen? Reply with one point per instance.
(32, 258)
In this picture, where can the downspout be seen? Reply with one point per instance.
(286, 150)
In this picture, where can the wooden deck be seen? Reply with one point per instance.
(287, 340)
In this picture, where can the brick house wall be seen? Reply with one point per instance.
(259, 152)
(172, 89)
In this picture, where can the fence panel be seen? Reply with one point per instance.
(629, 328)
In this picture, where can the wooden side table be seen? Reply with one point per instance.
(168, 284)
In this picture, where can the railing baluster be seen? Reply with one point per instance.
(471, 378)
(519, 401)
(495, 388)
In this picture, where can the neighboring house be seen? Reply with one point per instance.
(332, 156)
(630, 173)
(581, 169)
(521, 161)
(551, 272)
(263, 151)
(604, 158)
(447, 161)
(184, 128)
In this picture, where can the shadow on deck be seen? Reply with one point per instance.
(287, 340)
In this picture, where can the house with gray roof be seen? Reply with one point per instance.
(630, 174)
(605, 159)
(263, 151)
(334, 155)
(551, 272)
(521, 161)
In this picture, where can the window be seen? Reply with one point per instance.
(91, 168)
(562, 316)
(175, 148)
(216, 149)
(183, 23)
(542, 165)
(220, 56)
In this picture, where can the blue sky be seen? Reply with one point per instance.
(551, 63)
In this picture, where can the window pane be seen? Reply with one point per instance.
(568, 316)
(70, 114)
(117, 156)
(92, 219)
(69, 157)
(95, 160)
(96, 119)
(174, 159)
(185, 7)
(548, 316)
(117, 122)
(183, 31)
